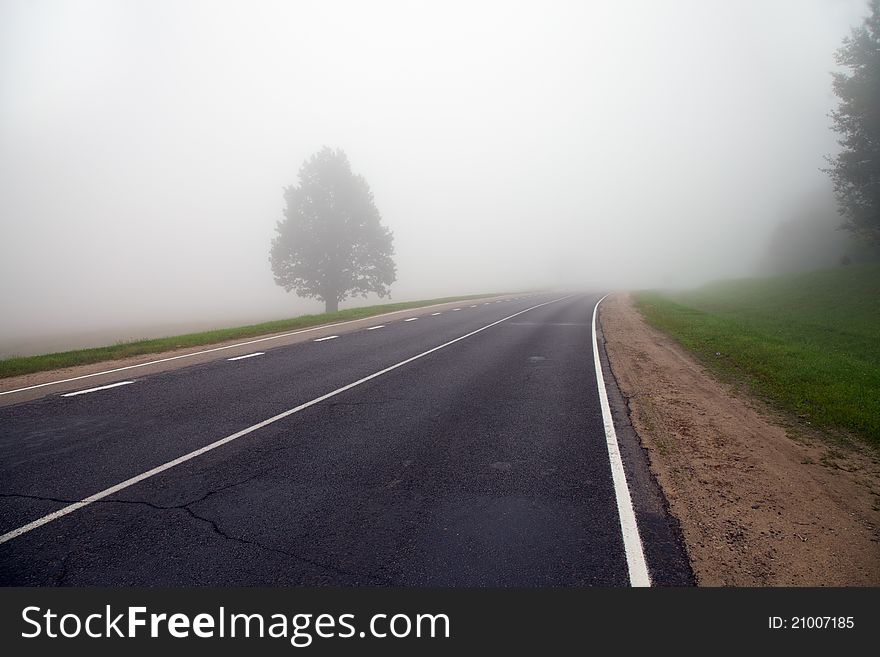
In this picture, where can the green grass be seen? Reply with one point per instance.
(808, 343)
(19, 365)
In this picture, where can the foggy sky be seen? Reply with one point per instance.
(144, 146)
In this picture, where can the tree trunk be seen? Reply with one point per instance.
(331, 305)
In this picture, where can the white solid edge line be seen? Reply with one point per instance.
(60, 513)
(411, 319)
(373, 328)
(256, 353)
(82, 392)
(329, 337)
(632, 542)
(208, 351)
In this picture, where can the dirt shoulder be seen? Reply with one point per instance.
(757, 507)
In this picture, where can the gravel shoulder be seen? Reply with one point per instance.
(761, 500)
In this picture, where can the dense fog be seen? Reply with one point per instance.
(144, 147)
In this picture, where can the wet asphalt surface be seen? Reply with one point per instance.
(481, 464)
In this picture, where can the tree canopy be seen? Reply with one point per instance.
(331, 244)
(855, 171)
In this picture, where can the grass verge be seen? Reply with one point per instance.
(19, 365)
(808, 343)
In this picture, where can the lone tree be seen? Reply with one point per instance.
(855, 171)
(331, 244)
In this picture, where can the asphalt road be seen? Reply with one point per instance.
(481, 463)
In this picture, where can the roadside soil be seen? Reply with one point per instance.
(762, 500)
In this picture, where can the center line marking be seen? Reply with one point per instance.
(373, 328)
(329, 337)
(82, 392)
(256, 353)
(411, 319)
(107, 492)
(205, 351)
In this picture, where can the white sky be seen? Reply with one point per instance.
(144, 145)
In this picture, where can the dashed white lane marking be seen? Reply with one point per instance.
(411, 319)
(632, 542)
(435, 314)
(256, 353)
(329, 337)
(70, 508)
(455, 310)
(83, 392)
(203, 351)
(474, 306)
(373, 328)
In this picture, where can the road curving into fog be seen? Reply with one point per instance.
(455, 446)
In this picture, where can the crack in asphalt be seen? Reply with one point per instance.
(61, 578)
(186, 507)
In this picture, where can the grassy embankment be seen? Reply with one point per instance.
(28, 364)
(807, 343)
